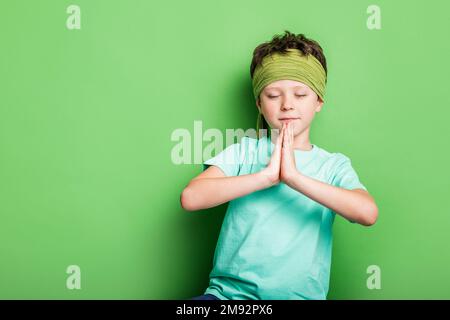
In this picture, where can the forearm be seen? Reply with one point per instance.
(210, 192)
(350, 204)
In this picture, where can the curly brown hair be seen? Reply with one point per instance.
(280, 43)
(287, 41)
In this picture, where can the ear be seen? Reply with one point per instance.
(258, 104)
(319, 105)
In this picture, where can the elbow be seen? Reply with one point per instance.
(370, 216)
(186, 200)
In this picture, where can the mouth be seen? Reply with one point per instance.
(288, 119)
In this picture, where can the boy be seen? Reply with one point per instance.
(276, 237)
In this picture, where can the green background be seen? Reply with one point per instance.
(86, 117)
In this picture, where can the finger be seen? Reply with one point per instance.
(280, 135)
(285, 142)
(279, 140)
(290, 137)
(287, 132)
(278, 144)
(292, 140)
(278, 132)
(291, 134)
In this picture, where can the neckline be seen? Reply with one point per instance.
(313, 151)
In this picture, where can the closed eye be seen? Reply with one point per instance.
(297, 95)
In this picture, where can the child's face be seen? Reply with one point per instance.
(289, 99)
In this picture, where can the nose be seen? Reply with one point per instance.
(286, 105)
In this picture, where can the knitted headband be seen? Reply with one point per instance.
(292, 65)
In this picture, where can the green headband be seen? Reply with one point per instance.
(292, 65)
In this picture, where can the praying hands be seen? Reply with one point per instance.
(282, 167)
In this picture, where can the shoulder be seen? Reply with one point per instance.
(342, 173)
(332, 160)
(340, 167)
(330, 156)
(245, 146)
(248, 145)
(338, 158)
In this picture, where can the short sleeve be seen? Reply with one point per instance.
(227, 160)
(345, 176)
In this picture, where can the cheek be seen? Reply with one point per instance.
(269, 110)
(307, 109)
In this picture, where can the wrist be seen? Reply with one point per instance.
(267, 180)
(293, 177)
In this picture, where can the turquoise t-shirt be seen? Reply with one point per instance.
(276, 243)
